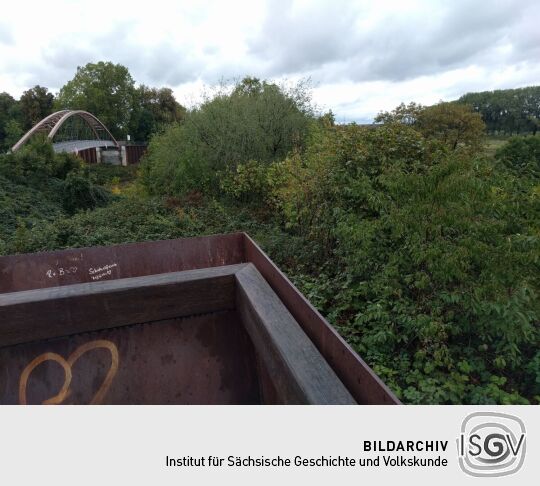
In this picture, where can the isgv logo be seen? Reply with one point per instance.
(491, 444)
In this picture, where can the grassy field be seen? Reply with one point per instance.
(494, 143)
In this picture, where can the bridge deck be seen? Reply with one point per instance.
(77, 145)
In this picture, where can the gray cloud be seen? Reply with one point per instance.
(291, 42)
(161, 64)
(6, 34)
(357, 44)
(331, 42)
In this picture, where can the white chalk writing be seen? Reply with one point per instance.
(100, 272)
(60, 272)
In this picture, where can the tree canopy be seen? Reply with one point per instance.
(452, 124)
(256, 120)
(10, 121)
(104, 89)
(508, 111)
(153, 110)
(35, 104)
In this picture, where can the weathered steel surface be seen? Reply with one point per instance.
(42, 270)
(65, 267)
(134, 153)
(89, 155)
(300, 373)
(206, 359)
(55, 312)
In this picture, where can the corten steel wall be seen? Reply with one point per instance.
(89, 155)
(204, 359)
(134, 153)
(50, 269)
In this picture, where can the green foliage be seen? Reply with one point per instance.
(153, 110)
(20, 202)
(433, 275)
(256, 121)
(10, 121)
(403, 114)
(36, 186)
(107, 175)
(507, 111)
(134, 219)
(79, 193)
(36, 162)
(12, 133)
(521, 154)
(104, 89)
(247, 182)
(452, 125)
(35, 104)
(455, 126)
(422, 254)
(173, 163)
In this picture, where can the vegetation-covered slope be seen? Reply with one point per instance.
(423, 252)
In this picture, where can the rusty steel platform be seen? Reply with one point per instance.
(207, 320)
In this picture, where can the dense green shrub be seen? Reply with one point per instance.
(129, 219)
(248, 182)
(424, 264)
(521, 154)
(37, 185)
(78, 193)
(453, 126)
(255, 121)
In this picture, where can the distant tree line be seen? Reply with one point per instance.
(104, 89)
(507, 111)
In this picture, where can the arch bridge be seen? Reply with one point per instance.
(71, 131)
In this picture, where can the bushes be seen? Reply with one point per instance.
(425, 258)
(37, 185)
(79, 193)
(255, 121)
(521, 154)
(451, 125)
(174, 165)
(423, 265)
(251, 183)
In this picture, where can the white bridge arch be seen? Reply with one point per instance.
(52, 123)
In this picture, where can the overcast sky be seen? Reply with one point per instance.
(362, 56)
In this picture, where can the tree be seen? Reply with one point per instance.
(35, 103)
(453, 124)
(259, 121)
(10, 119)
(508, 110)
(429, 270)
(404, 114)
(153, 109)
(12, 132)
(104, 89)
(256, 120)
